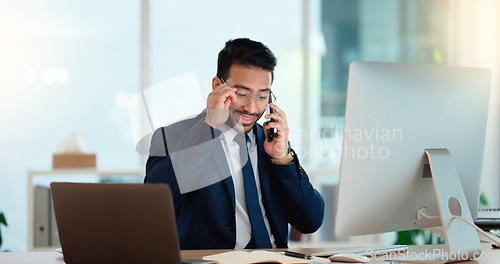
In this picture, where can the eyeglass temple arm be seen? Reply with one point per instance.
(272, 97)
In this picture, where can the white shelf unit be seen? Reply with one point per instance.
(68, 175)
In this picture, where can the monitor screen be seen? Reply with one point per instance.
(394, 112)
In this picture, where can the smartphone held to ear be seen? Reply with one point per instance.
(269, 110)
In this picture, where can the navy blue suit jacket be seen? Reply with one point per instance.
(206, 216)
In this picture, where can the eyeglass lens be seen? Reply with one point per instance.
(243, 98)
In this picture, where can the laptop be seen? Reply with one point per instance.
(116, 223)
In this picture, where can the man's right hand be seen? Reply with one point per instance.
(218, 102)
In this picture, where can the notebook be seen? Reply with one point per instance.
(260, 256)
(116, 223)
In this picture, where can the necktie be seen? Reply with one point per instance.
(259, 231)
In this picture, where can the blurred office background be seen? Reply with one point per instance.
(73, 66)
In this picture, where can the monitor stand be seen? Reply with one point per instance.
(462, 240)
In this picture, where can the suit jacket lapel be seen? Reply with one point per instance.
(223, 168)
(265, 185)
(222, 165)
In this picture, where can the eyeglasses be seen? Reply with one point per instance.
(245, 97)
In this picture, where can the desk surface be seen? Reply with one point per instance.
(489, 255)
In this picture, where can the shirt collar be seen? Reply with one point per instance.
(251, 136)
(229, 134)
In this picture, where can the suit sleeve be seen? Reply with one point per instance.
(304, 205)
(159, 167)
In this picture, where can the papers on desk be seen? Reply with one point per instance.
(257, 256)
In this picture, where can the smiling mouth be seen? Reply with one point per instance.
(246, 119)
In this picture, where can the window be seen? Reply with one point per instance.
(67, 66)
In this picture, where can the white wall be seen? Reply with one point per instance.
(477, 44)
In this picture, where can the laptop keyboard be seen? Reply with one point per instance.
(493, 213)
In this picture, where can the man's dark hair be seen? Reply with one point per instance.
(245, 52)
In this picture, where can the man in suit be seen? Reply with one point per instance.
(234, 186)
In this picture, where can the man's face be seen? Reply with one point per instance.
(258, 83)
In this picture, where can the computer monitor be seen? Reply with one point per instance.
(394, 113)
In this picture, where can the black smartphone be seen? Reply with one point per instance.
(269, 110)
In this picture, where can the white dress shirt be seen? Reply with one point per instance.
(231, 149)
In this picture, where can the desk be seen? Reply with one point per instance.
(56, 258)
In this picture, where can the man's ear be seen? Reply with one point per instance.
(216, 82)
